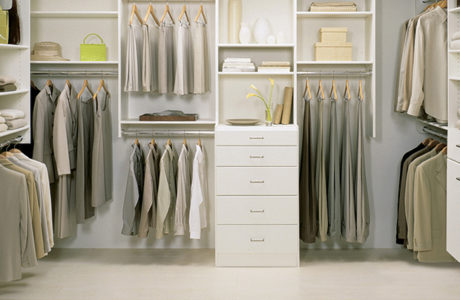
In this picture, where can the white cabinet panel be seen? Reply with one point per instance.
(454, 144)
(257, 181)
(453, 209)
(237, 156)
(257, 138)
(257, 210)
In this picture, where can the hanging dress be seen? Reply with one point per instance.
(200, 58)
(333, 185)
(183, 83)
(166, 58)
(307, 193)
(133, 54)
(149, 58)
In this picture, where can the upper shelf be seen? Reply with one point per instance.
(9, 133)
(74, 14)
(307, 62)
(256, 45)
(359, 14)
(73, 62)
(455, 10)
(13, 47)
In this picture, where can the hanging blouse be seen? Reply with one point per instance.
(133, 54)
(200, 58)
(199, 195)
(166, 59)
(183, 191)
(334, 192)
(149, 58)
(183, 83)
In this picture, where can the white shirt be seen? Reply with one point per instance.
(199, 193)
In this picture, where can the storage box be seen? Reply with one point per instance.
(333, 51)
(333, 7)
(333, 34)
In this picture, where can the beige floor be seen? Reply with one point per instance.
(190, 274)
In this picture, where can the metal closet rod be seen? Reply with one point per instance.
(15, 140)
(167, 133)
(434, 133)
(342, 74)
(74, 73)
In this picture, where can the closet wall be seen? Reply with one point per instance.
(396, 134)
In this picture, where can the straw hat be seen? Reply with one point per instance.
(48, 51)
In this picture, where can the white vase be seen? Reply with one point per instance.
(261, 30)
(234, 20)
(245, 34)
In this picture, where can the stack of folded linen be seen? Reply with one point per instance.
(7, 84)
(14, 118)
(238, 65)
(3, 126)
(344, 6)
(455, 42)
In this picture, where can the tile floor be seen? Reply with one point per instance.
(190, 274)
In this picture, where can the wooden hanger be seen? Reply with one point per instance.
(333, 94)
(32, 84)
(444, 151)
(167, 12)
(169, 142)
(307, 89)
(135, 12)
(136, 141)
(347, 93)
(151, 12)
(49, 83)
(152, 142)
(184, 12)
(320, 90)
(360, 92)
(199, 142)
(440, 147)
(14, 150)
(432, 144)
(67, 82)
(201, 13)
(101, 86)
(85, 85)
(427, 141)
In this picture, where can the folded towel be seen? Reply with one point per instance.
(455, 45)
(3, 127)
(456, 36)
(11, 114)
(333, 7)
(15, 124)
(2, 120)
(6, 80)
(8, 88)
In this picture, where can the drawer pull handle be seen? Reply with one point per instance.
(256, 138)
(458, 178)
(257, 211)
(256, 156)
(458, 146)
(255, 240)
(257, 181)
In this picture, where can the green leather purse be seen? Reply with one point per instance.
(93, 52)
(4, 26)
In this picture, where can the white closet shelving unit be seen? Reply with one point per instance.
(14, 62)
(453, 164)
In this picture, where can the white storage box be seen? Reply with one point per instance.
(333, 7)
(333, 51)
(333, 34)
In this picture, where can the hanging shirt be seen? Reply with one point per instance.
(17, 246)
(133, 54)
(134, 192)
(199, 195)
(149, 58)
(183, 191)
(183, 83)
(333, 184)
(101, 172)
(166, 59)
(43, 123)
(200, 58)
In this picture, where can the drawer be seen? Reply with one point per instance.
(257, 245)
(257, 181)
(454, 144)
(453, 209)
(254, 156)
(257, 210)
(257, 138)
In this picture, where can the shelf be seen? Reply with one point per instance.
(14, 131)
(454, 78)
(454, 51)
(74, 14)
(13, 47)
(137, 122)
(72, 62)
(256, 45)
(255, 74)
(363, 62)
(359, 14)
(433, 124)
(17, 92)
(455, 10)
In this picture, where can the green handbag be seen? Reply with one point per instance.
(4, 26)
(93, 52)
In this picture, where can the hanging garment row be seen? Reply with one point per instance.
(26, 225)
(72, 137)
(167, 192)
(422, 199)
(333, 192)
(164, 57)
(423, 71)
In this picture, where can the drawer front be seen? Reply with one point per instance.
(257, 138)
(257, 181)
(257, 239)
(257, 210)
(249, 156)
(453, 209)
(454, 144)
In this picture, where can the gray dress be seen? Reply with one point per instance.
(149, 58)
(166, 59)
(333, 195)
(200, 58)
(183, 83)
(101, 173)
(84, 159)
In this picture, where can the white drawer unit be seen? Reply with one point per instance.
(453, 209)
(257, 210)
(454, 144)
(258, 246)
(257, 203)
(256, 156)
